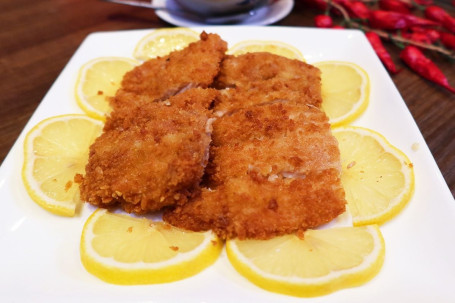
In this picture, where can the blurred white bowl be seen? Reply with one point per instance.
(219, 7)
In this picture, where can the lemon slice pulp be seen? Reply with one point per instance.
(274, 47)
(121, 249)
(163, 41)
(98, 80)
(377, 177)
(319, 263)
(54, 151)
(345, 91)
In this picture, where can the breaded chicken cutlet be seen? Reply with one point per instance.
(274, 166)
(158, 79)
(154, 145)
(269, 77)
(151, 155)
(275, 169)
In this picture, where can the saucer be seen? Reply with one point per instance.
(262, 16)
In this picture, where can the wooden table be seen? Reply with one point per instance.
(37, 38)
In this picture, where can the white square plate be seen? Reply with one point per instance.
(39, 256)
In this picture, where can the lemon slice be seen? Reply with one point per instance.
(163, 41)
(320, 263)
(274, 47)
(121, 249)
(345, 91)
(98, 80)
(377, 177)
(54, 151)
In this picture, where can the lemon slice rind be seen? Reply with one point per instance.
(284, 49)
(63, 208)
(358, 107)
(397, 204)
(182, 266)
(317, 286)
(141, 53)
(88, 108)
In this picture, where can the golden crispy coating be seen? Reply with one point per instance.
(231, 99)
(158, 79)
(274, 166)
(150, 155)
(275, 138)
(253, 207)
(272, 77)
(275, 169)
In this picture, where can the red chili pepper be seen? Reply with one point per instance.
(338, 27)
(448, 40)
(435, 13)
(417, 37)
(438, 14)
(393, 20)
(380, 50)
(422, 35)
(432, 34)
(323, 21)
(395, 6)
(423, 66)
(356, 9)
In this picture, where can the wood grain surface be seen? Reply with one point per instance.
(37, 38)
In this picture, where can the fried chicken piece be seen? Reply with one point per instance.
(259, 93)
(275, 169)
(274, 165)
(270, 76)
(276, 138)
(158, 79)
(150, 155)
